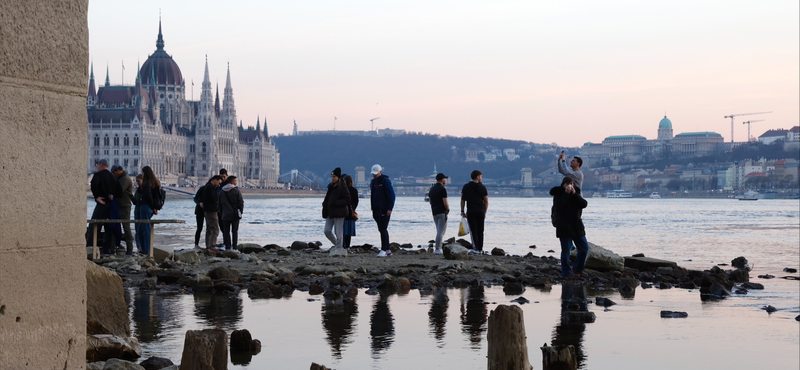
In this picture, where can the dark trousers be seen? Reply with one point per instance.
(383, 224)
(230, 233)
(475, 221)
(102, 212)
(200, 218)
(347, 241)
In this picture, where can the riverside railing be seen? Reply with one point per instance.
(96, 251)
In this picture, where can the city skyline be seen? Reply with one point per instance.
(523, 71)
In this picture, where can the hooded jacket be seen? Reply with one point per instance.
(382, 194)
(568, 209)
(337, 201)
(231, 202)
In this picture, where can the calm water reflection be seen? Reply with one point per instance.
(338, 319)
(567, 331)
(381, 325)
(474, 315)
(437, 315)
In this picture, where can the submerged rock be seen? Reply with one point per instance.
(740, 263)
(605, 302)
(673, 314)
(205, 349)
(264, 289)
(755, 286)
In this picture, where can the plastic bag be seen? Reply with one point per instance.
(463, 227)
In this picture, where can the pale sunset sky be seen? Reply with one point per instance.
(540, 71)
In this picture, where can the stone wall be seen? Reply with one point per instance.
(44, 55)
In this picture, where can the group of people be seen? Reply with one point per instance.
(219, 203)
(114, 194)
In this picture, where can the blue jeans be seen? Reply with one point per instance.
(143, 230)
(580, 259)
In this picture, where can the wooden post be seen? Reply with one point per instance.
(506, 336)
(559, 357)
(95, 252)
(152, 234)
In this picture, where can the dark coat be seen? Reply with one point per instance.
(382, 194)
(569, 208)
(337, 201)
(230, 202)
(353, 201)
(148, 195)
(210, 198)
(104, 184)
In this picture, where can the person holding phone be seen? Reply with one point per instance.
(569, 205)
(572, 171)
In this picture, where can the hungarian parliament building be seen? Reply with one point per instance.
(185, 142)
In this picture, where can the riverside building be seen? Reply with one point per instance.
(185, 142)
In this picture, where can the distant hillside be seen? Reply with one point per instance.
(411, 155)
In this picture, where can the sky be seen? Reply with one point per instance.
(539, 71)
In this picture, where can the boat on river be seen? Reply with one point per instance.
(655, 195)
(619, 194)
(749, 195)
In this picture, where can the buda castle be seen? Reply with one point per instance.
(185, 142)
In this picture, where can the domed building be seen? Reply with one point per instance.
(634, 148)
(184, 141)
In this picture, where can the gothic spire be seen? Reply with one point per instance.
(108, 81)
(92, 88)
(266, 133)
(216, 101)
(160, 41)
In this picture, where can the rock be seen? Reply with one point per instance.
(222, 286)
(605, 302)
(601, 259)
(739, 275)
(241, 340)
(513, 288)
(797, 318)
(284, 252)
(161, 253)
(647, 263)
(264, 289)
(521, 300)
(532, 246)
(455, 252)
(316, 366)
(577, 317)
(205, 349)
(627, 287)
(117, 364)
(168, 264)
(550, 251)
(232, 254)
(749, 285)
(790, 270)
(251, 248)
(225, 273)
(337, 252)
(664, 285)
(285, 277)
(341, 278)
(169, 276)
(271, 247)
(456, 266)
(106, 310)
(315, 289)
(98, 365)
(741, 291)
(715, 290)
(498, 252)
(156, 363)
(464, 243)
(767, 276)
(147, 284)
(664, 270)
(687, 285)
(740, 263)
(101, 347)
(187, 256)
(298, 246)
(153, 271)
(638, 255)
(542, 282)
(673, 314)
(770, 309)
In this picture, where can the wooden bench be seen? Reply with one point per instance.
(96, 251)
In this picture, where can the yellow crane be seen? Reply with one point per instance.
(750, 138)
(741, 114)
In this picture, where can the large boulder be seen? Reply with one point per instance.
(162, 253)
(250, 248)
(101, 347)
(156, 363)
(205, 349)
(298, 245)
(225, 273)
(602, 259)
(455, 252)
(106, 310)
(648, 264)
(264, 289)
(117, 364)
(187, 256)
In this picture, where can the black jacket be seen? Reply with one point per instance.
(210, 198)
(149, 195)
(337, 201)
(568, 209)
(353, 201)
(230, 203)
(104, 184)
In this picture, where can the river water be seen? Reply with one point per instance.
(415, 330)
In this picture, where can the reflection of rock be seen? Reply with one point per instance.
(205, 349)
(101, 347)
(576, 317)
(106, 310)
(156, 363)
(170, 276)
(381, 326)
(338, 317)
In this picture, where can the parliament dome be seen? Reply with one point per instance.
(161, 66)
(665, 123)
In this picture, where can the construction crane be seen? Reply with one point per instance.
(741, 114)
(372, 123)
(749, 138)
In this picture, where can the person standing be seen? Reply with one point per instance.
(105, 188)
(231, 205)
(349, 227)
(382, 202)
(124, 203)
(573, 171)
(568, 205)
(440, 207)
(335, 208)
(223, 174)
(476, 198)
(137, 199)
(150, 204)
(210, 209)
(199, 215)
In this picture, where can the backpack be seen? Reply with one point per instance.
(160, 199)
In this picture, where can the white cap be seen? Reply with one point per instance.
(376, 168)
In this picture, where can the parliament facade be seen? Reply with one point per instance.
(185, 142)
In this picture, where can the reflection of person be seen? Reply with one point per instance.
(150, 190)
(124, 202)
(335, 208)
(338, 317)
(381, 325)
(219, 311)
(440, 208)
(568, 205)
(474, 315)
(232, 206)
(349, 223)
(382, 202)
(573, 298)
(476, 198)
(437, 315)
(573, 171)
(105, 188)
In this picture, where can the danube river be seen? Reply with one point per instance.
(416, 331)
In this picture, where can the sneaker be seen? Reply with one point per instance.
(385, 254)
(472, 251)
(438, 251)
(581, 274)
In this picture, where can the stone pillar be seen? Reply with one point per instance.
(44, 61)
(508, 349)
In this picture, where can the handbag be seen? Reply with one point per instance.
(354, 215)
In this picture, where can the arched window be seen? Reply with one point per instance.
(135, 140)
(116, 140)
(126, 140)
(204, 166)
(203, 150)
(96, 140)
(106, 141)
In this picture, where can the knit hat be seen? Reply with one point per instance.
(337, 172)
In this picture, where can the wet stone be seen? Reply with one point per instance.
(673, 314)
(755, 286)
(605, 302)
(790, 270)
(156, 363)
(521, 300)
(770, 309)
